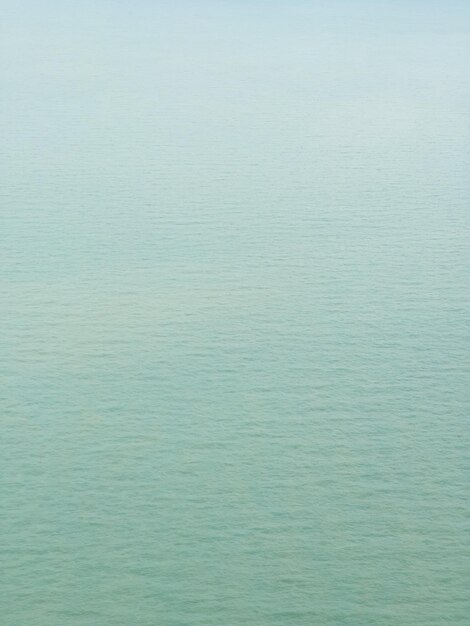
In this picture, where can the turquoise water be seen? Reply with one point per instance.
(235, 303)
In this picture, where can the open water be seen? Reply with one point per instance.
(234, 313)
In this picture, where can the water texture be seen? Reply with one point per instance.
(235, 268)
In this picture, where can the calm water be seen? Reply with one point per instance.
(235, 304)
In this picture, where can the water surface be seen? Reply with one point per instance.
(234, 338)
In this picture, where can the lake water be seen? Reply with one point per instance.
(235, 267)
